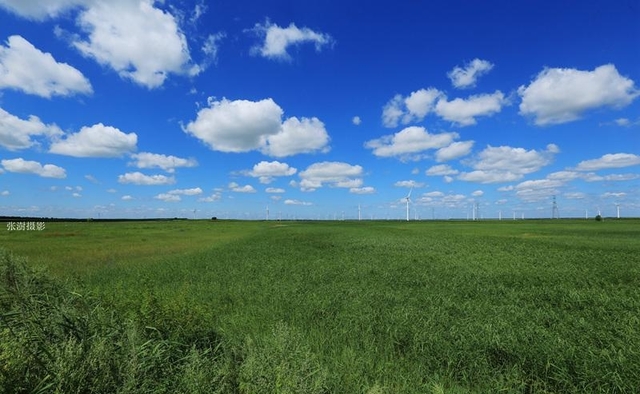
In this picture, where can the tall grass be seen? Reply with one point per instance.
(344, 308)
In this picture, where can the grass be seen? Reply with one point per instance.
(347, 307)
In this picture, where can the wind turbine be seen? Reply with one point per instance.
(408, 200)
(618, 210)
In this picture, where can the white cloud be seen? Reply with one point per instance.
(420, 103)
(560, 95)
(40, 9)
(154, 160)
(167, 197)
(26, 68)
(236, 126)
(463, 112)
(409, 142)
(506, 164)
(33, 167)
(466, 77)
(234, 187)
(266, 171)
(393, 111)
(126, 198)
(138, 178)
(335, 174)
(362, 190)
(415, 107)
(454, 151)
(212, 45)
(537, 190)
(186, 192)
(615, 160)
(5, 193)
(274, 190)
(297, 136)
(297, 202)
(277, 39)
(16, 133)
(243, 126)
(480, 176)
(356, 120)
(212, 198)
(477, 193)
(441, 169)
(408, 184)
(96, 141)
(620, 177)
(140, 42)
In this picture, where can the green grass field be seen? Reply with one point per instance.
(322, 307)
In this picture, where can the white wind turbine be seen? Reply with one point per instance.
(618, 210)
(408, 200)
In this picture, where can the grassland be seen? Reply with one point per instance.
(323, 307)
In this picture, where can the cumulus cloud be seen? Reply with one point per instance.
(506, 164)
(274, 190)
(236, 126)
(408, 184)
(266, 170)
(419, 104)
(234, 187)
(454, 151)
(167, 197)
(277, 40)
(362, 190)
(297, 202)
(40, 9)
(297, 136)
(464, 112)
(22, 166)
(615, 160)
(466, 77)
(164, 162)
(26, 68)
(441, 170)
(560, 95)
(334, 174)
(137, 40)
(356, 120)
(16, 133)
(401, 110)
(243, 126)
(96, 141)
(539, 189)
(212, 198)
(409, 142)
(186, 192)
(138, 178)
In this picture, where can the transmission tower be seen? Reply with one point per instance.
(555, 214)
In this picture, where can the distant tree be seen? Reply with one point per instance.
(598, 218)
(214, 218)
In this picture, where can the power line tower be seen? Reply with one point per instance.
(555, 214)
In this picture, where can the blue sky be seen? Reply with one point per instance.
(319, 110)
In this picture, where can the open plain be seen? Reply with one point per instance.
(321, 307)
